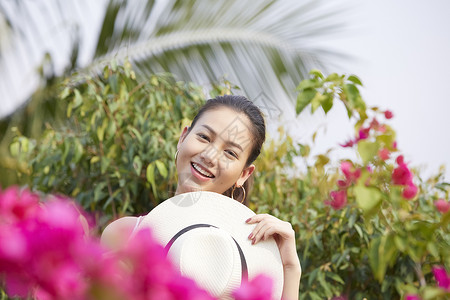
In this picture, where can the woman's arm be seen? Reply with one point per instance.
(284, 236)
(117, 233)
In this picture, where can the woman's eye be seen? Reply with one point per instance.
(203, 137)
(232, 153)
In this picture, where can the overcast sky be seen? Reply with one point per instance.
(402, 49)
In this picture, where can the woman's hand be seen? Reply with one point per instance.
(284, 235)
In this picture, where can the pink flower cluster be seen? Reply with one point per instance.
(46, 253)
(364, 132)
(403, 176)
(339, 197)
(442, 277)
(442, 205)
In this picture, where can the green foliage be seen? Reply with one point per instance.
(115, 156)
(320, 91)
(112, 150)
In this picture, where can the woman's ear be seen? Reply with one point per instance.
(183, 136)
(245, 175)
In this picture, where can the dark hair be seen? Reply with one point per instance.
(242, 105)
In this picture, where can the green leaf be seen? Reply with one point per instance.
(367, 150)
(150, 174)
(374, 259)
(355, 79)
(308, 84)
(316, 102)
(65, 93)
(431, 292)
(316, 73)
(137, 165)
(78, 100)
(161, 168)
(303, 99)
(368, 199)
(333, 77)
(327, 104)
(335, 277)
(14, 148)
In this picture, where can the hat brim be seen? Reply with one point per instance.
(181, 211)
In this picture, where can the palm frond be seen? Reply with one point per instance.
(266, 47)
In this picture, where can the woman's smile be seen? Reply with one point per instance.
(201, 172)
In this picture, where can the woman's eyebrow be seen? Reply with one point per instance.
(231, 143)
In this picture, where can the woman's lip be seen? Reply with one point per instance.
(198, 175)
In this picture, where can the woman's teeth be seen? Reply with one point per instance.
(201, 171)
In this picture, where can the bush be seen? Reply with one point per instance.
(367, 228)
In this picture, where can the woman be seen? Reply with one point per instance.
(216, 154)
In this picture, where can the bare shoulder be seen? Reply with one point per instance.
(118, 232)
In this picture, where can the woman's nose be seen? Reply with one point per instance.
(209, 155)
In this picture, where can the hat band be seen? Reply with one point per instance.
(244, 270)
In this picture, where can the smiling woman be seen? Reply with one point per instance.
(216, 154)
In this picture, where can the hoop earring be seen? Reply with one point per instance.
(243, 190)
(176, 155)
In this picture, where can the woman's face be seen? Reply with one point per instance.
(212, 155)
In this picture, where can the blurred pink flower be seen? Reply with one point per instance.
(442, 277)
(16, 205)
(382, 128)
(363, 133)
(410, 191)
(347, 169)
(402, 175)
(388, 114)
(348, 144)
(338, 199)
(400, 159)
(442, 205)
(374, 123)
(384, 154)
(259, 288)
(343, 183)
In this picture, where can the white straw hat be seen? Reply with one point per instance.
(206, 237)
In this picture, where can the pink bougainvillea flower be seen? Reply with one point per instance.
(402, 175)
(412, 297)
(381, 128)
(388, 114)
(363, 133)
(384, 154)
(348, 144)
(338, 199)
(16, 205)
(259, 288)
(410, 191)
(400, 159)
(442, 277)
(394, 145)
(350, 174)
(374, 123)
(442, 205)
(343, 183)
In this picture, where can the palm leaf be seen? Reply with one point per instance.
(264, 47)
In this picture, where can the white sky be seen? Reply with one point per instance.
(403, 49)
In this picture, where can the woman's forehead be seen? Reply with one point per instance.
(227, 124)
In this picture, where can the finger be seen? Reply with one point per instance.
(257, 218)
(261, 233)
(256, 229)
